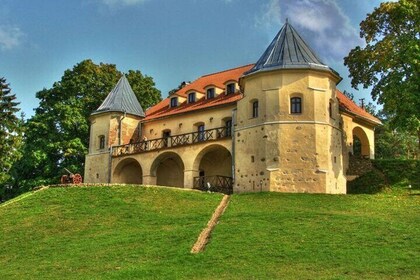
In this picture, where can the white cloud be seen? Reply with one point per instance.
(321, 23)
(116, 3)
(10, 37)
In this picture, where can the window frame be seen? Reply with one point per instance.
(228, 125)
(210, 93)
(101, 142)
(192, 97)
(201, 128)
(230, 88)
(174, 102)
(255, 108)
(296, 105)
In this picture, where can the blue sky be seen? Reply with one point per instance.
(170, 40)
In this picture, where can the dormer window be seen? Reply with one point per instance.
(210, 93)
(191, 97)
(230, 88)
(174, 101)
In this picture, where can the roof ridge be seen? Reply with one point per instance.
(227, 70)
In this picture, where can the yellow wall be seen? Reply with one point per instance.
(276, 151)
(280, 151)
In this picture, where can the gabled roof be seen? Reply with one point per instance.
(121, 99)
(347, 105)
(219, 79)
(288, 50)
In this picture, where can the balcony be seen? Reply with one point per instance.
(222, 184)
(173, 141)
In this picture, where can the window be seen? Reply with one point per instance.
(201, 132)
(102, 142)
(230, 88)
(210, 93)
(255, 109)
(174, 101)
(330, 109)
(191, 97)
(228, 125)
(296, 105)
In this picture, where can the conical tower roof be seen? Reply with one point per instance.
(288, 50)
(121, 99)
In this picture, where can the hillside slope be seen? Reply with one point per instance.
(127, 232)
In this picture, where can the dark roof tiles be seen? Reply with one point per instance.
(288, 50)
(121, 99)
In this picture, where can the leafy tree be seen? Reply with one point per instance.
(390, 62)
(10, 135)
(57, 136)
(180, 86)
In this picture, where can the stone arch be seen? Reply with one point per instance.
(214, 160)
(128, 171)
(361, 145)
(168, 168)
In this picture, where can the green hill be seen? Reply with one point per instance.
(128, 232)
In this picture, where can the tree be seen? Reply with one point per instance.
(181, 85)
(57, 136)
(390, 62)
(10, 135)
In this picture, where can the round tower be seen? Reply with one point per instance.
(116, 122)
(287, 134)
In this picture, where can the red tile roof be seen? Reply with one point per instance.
(347, 105)
(219, 79)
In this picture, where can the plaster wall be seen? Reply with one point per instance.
(188, 122)
(168, 163)
(280, 151)
(363, 130)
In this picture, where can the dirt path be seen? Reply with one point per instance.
(204, 236)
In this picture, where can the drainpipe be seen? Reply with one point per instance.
(233, 143)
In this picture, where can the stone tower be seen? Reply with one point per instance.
(115, 122)
(287, 134)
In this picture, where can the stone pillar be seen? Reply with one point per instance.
(149, 180)
(189, 178)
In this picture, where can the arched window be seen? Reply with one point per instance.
(255, 109)
(296, 105)
(191, 97)
(102, 142)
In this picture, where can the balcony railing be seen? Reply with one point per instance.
(173, 141)
(222, 184)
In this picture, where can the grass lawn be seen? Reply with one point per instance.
(135, 232)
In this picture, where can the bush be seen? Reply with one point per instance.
(399, 170)
(369, 183)
(396, 173)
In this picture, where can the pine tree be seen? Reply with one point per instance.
(10, 135)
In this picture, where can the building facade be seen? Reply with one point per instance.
(277, 125)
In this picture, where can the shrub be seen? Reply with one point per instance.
(399, 170)
(369, 183)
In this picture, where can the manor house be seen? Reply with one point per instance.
(277, 125)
